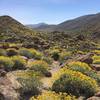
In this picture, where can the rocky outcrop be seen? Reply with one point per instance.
(9, 88)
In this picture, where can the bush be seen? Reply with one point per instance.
(29, 81)
(30, 53)
(12, 52)
(19, 62)
(75, 83)
(54, 96)
(96, 59)
(64, 56)
(47, 59)
(94, 75)
(96, 52)
(55, 54)
(39, 66)
(79, 66)
(3, 52)
(6, 62)
(85, 69)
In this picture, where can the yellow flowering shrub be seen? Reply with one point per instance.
(19, 62)
(29, 81)
(39, 66)
(12, 52)
(6, 62)
(55, 54)
(96, 59)
(79, 66)
(96, 52)
(3, 52)
(51, 95)
(30, 53)
(74, 82)
(64, 56)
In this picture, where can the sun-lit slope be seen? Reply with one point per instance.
(10, 27)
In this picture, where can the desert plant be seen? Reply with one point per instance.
(12, 52)
(55, 54)
(96, 52)
(64, 56)
(79, 66)
(47, 59)
(30, 53)
(3, 52)
(39, 66)
(19, 62)
(29, 81)
(53, 96)
(96, 59)
(6, 62)
(85, 69)
(75, 83)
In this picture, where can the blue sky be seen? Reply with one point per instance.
(48, 11)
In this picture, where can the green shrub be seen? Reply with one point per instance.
(6, 62)
(85, 69)
(51, 95)
(39, 66)
(79, 66)
(96, 59)
(19, 62)
(55, 54)
(94, 75)
(75, 83)
(12, 52)
(29, 81)
(3, 52)
(64, 56)
(30, 53)
(47, 59)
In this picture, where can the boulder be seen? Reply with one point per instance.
(9, 88)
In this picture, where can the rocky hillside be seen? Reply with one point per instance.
(12, 29)
(87, 23)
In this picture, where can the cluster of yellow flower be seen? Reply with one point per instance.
(96, 59)
(51, 95)
(96, 52)
(30, 53)
(72, 74)
(37, 63)
(25, 74)
(79, 64)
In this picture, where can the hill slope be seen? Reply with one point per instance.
(87, 23)
(12, 29)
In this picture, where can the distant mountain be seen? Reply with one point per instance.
(41, 27)
(36, 25)
(84, 24)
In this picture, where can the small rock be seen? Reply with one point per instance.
(94, 98)
(48, 74)
(97, 94)
(96, 67)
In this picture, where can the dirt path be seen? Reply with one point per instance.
(47, 83)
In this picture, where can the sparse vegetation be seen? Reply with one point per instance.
(6, 63)
(19, 62)
(39, 66)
